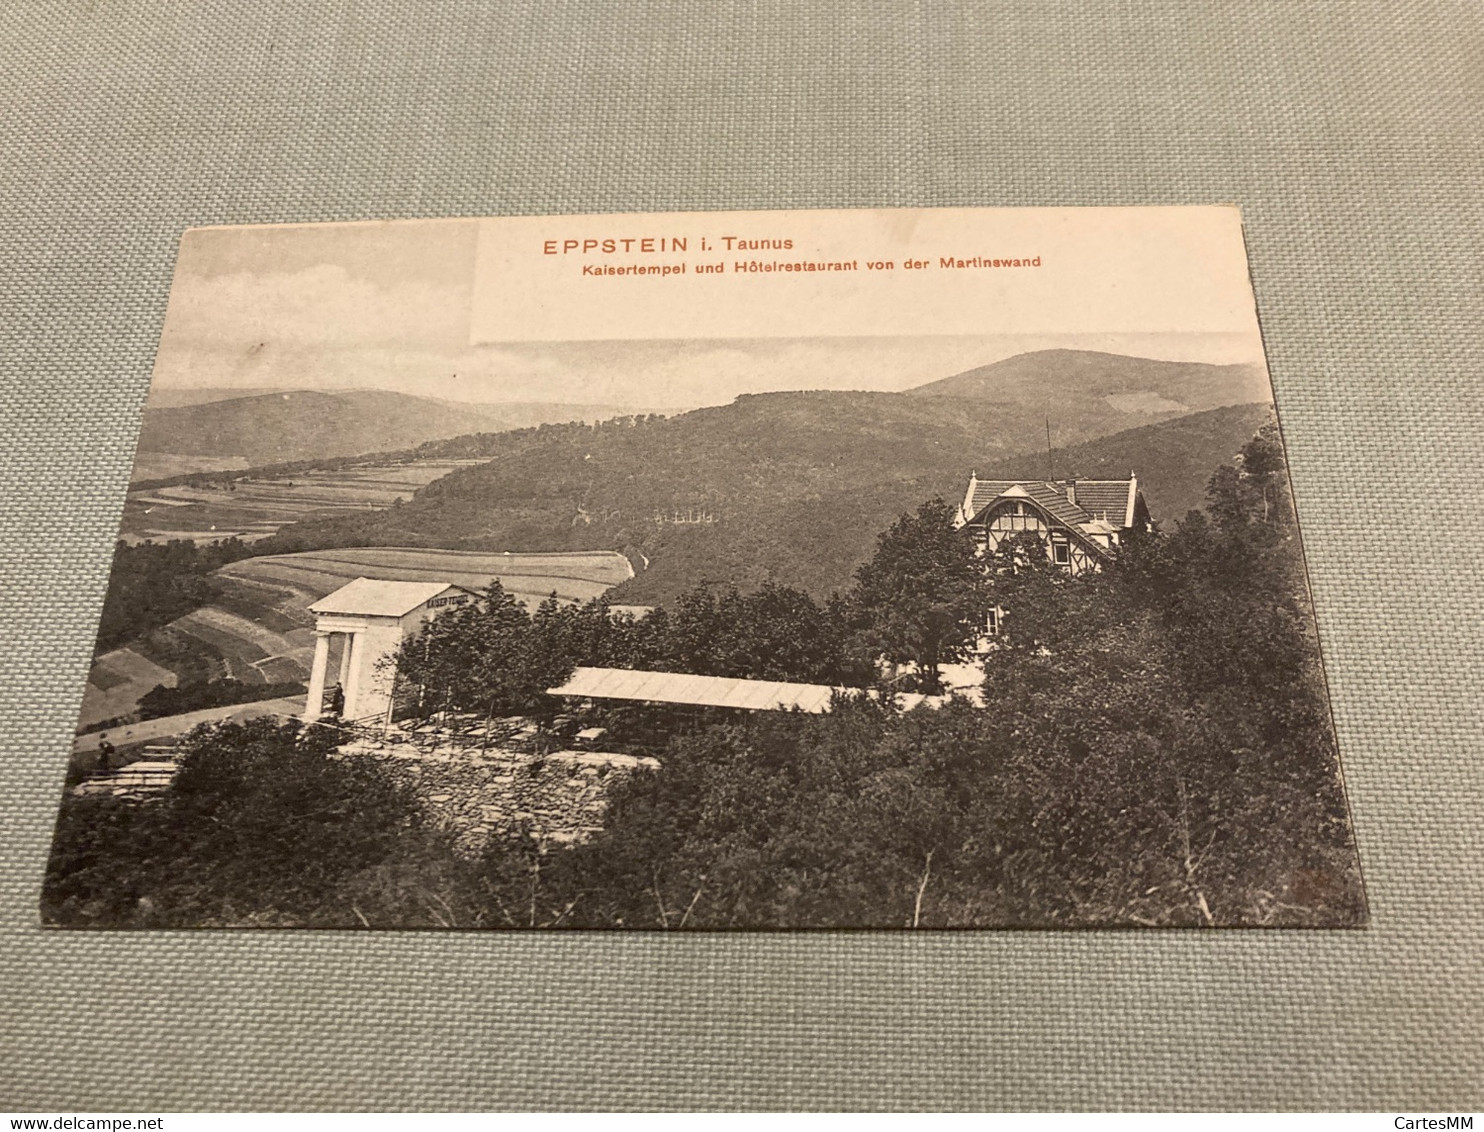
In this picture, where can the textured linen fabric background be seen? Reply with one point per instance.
(1351, 135)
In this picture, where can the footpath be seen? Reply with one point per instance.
(170, 726)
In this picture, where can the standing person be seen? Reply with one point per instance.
(337, 701)
(105, 753)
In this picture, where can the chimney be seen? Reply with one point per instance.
(1072, 492)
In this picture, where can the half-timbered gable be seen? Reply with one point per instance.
(1079, 522)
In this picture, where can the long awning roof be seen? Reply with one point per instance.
(687, 688)
(712, 691)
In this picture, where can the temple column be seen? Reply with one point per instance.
(343, 673)
(350, 673)
(315, 702)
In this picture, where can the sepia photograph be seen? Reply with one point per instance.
(890, 570)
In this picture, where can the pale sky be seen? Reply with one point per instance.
(386, 306)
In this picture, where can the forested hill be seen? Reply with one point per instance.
(1052, 378)
(788, 486)
(632, 481)
(272, 428)
(1174, 460)
(818, 543)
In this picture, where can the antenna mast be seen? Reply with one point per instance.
(1050, 463)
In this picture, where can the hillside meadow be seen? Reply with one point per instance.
(254, 506)
(256, 627)
(788, 488)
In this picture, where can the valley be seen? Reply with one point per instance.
(254, 506)
(788, 487)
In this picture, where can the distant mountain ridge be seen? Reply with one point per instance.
(287, 425)
(1079, 394)
(1123, 382)
(175, 397)
(795, 486)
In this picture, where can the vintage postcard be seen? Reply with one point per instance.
(710, 571)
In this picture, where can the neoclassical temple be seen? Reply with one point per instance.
(1078, 521)
(361, 623)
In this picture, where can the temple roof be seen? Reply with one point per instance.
(373, 597)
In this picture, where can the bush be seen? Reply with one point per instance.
(163, 701)
(264, 826)
(1155, 748)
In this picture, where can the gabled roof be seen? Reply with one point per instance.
(372, 597)
(1096, 499)
(1113, 498)
(1055, 501)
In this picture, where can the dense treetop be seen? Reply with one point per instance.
(1154, 748)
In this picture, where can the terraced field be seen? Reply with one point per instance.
(575, 576)
(117, 681)
(261, 631)
(255, 508)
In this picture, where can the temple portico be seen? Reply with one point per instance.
(363, 622)
(334, 648)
